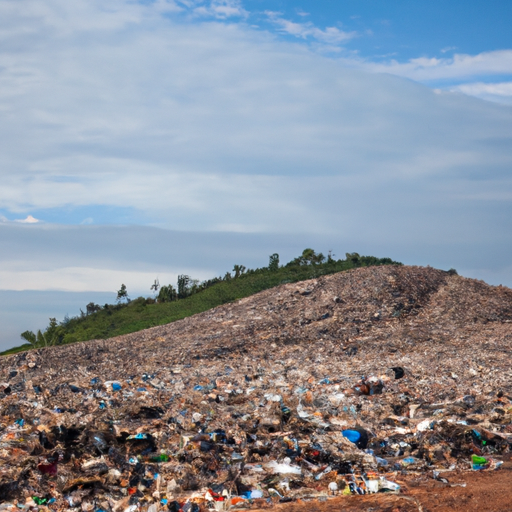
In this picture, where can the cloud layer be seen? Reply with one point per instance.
(217, 127)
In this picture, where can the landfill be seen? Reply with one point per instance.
(321, 390)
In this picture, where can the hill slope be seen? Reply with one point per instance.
(288, 360)
(191, 297)
(363, 309)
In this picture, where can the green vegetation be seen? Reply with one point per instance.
(190, 297)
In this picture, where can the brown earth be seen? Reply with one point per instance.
(471, 492)
(309, 344)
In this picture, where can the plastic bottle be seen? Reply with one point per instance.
(479, 462)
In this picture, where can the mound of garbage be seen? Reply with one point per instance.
(306, 391)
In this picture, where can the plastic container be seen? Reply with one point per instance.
(352, 435)
(372, 486)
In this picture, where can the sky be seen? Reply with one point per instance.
(144, 139)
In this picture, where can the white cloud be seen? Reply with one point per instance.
(28, 220)
(73, 279)
(90, 279)
(167, 6)
(26, 21)
(222, 9)
(499, 92)
(88, 258)
(500, 89)
(460, 66)
(448, 49)
(330, 35)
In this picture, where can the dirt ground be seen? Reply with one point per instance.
(487, 491)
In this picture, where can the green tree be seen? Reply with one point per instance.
(183, 282)
(273, 262)
(167, 294)
(30, 337)
(354, 258)
(238, 270)
(311, 257)
(308, 257)
(43, 340)
(122, 294)
(51, 336)
(92, 308)
(194, 286)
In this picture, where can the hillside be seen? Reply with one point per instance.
(188, 298)
(223, 396)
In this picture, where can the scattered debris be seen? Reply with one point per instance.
(279, 397)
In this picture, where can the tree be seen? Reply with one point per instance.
(42, 339)
(311, 257)
(51, 336)
(308, 257)
(122, 294)
(194, 286)
(92, 308)
(167, 294)
(273, 262)
(354, 258)
(30, 337)
(238, 270)
(183, 282)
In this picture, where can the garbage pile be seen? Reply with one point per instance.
(330, 387)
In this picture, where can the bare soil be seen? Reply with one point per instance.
(466, 492)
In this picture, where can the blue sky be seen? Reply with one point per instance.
(145, 139)
(406, 29)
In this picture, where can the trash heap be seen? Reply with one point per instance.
(329, 387)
